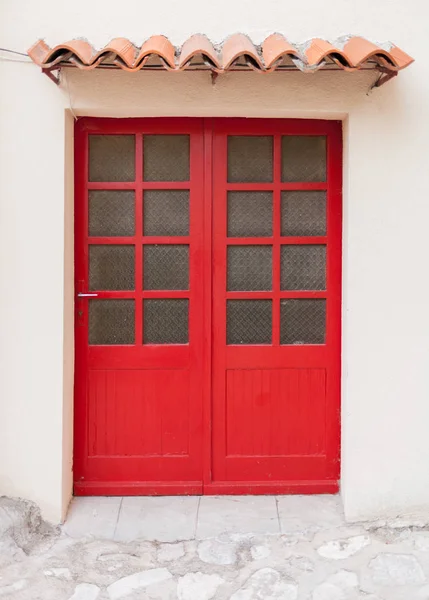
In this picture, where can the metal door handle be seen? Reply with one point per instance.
(81, 295)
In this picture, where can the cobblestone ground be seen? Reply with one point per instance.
(313, 561)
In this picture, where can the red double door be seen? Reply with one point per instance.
(208, 279)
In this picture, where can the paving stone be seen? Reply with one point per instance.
(91, 515)
(299, 564)
(267, 584)
(344, 579)
(341, 549)
(305, 515)
(216, 552)
(237, 514)
(125, 586)
(61, 572)
(157, 518)
(396, 569)
(168, 552)
(421, 541)
(422, 593)
(198, 586)
(339, 586)
(13, 587)
(260, 552)
(85, 591)
(328, 591)
(165, 590)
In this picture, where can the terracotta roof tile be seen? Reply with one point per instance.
(236, 46)
(198, 45)
(276, 47)
(160, 46)
(237, 51)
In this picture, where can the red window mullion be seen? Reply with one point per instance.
(276, 240)
(138, 245)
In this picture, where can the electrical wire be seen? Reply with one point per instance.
(14, 52)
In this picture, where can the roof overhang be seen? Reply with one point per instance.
(236, 53)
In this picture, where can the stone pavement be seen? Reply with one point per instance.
(223, 548)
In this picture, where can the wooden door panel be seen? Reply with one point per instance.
(139, 237)
(276, 306)
(138, 413)
(275, 412)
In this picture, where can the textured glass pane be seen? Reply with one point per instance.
(249, 268)
(111, 267)
(166, 212)
(250, 214)
(111, 213)
(249, 321)
(302, 321)
(250, 158)
(304, 213)
(303, 158)
(166, 267)
(165, 321)
(111, 158)
(111, 322)
(166, 157)
(303, 267)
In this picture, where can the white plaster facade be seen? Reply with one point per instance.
(385, 378)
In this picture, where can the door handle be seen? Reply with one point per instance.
(81, 295)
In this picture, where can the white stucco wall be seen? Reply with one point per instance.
(385, 407)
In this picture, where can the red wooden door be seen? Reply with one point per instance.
(208, 253)
(139, 235)
(276, 306)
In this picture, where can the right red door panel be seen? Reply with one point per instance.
(276, 306)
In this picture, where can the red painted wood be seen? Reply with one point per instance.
(138, 424)
(206, 417)
(256, 488)
(276, 408)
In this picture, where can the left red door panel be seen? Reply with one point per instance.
(139, 306)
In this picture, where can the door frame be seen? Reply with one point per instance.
(130, 125)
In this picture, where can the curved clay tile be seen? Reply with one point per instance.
(159, 45)
(319, 49)
(122, 47)
(82, 49)
(359, 50)
(274, 48)
(38, 52)
(198, 44)
(401, 58)
(239, 45)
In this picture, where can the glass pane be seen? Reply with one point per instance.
(249, 321)
(112, 158)
(302, 321)
(303, 158)
(250, 214)
(303, 213)
(111, 267)
(166, 267)
(166, 212)
(249, 268)
(111, 322)
(111, 213)
(303, 267)
(165, 321)
(166, 157)
(250, 158)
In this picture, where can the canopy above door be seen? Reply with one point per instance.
(236, 53)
